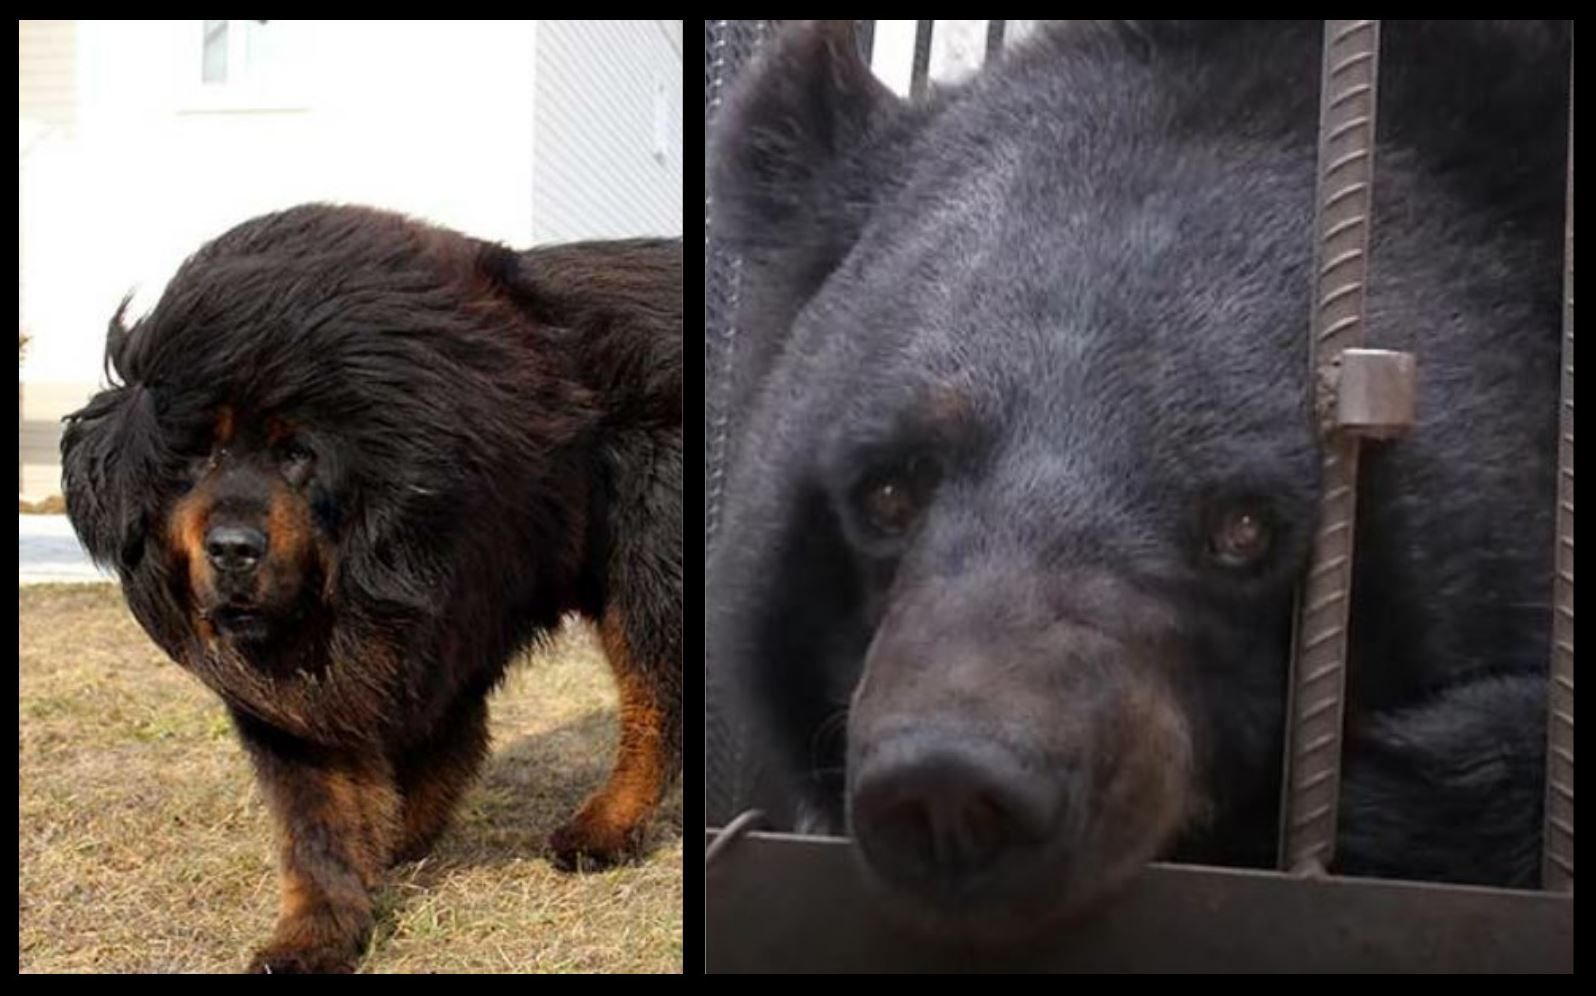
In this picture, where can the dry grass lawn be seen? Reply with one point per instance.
(143, 845)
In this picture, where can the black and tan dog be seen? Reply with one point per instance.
(352, 464)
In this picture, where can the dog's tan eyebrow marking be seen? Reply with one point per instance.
(222, 431)
(277, 430)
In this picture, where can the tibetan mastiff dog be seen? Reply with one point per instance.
(351, 464)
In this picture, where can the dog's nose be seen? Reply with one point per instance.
(235, 549)
(930, 812)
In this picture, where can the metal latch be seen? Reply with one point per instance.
(1375, 393)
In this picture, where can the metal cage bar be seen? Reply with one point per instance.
(1557, 870)
(1318, 668)
(994, 39)
(865, 33)
(922, 57)
(727, 45)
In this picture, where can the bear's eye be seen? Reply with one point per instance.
(890, 498)
(1240, 535)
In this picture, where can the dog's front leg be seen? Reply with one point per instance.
(337, 817)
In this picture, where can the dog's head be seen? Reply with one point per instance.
(297, 430)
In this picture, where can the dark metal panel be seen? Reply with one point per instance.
(779, 903)
(1558, 869)
(865, 32)
(1318, 667)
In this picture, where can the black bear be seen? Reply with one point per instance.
(1004, 580)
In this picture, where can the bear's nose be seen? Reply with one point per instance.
(932, 811)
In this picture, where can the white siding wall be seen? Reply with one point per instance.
(47, 89)
(608, 95)
(46, 119)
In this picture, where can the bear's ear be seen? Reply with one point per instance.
(797, 147)
(808, 144)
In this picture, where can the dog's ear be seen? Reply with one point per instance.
(110, 460)
(113, 453)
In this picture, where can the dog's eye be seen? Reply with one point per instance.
(890, 499)
(1240, 534)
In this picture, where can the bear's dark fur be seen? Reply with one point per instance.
(1005, 579)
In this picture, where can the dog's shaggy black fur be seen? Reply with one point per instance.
(351, 465)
